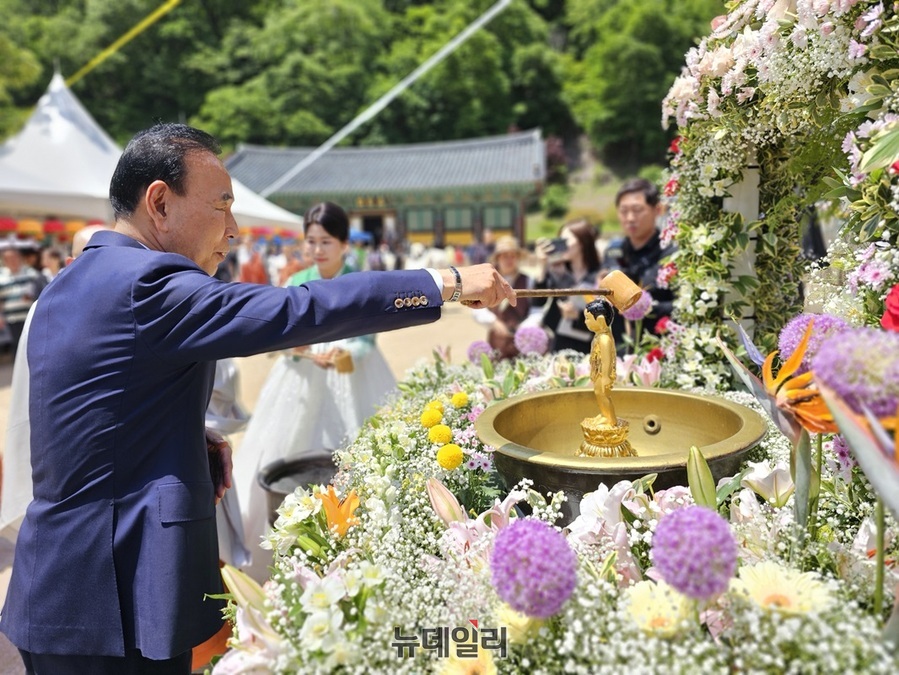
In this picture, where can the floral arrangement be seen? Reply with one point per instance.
(803, 95)
(418, 559)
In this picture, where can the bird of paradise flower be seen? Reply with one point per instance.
(795, 406)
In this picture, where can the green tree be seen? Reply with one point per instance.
(616, 90)
(505, 76)
(296, 78)
(18, 68)
(150, 78)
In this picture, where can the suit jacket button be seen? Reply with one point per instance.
(398, 303)
(407, 302)
(424, 300)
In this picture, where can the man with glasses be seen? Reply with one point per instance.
(640, 253)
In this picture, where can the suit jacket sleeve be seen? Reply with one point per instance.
(183, 315)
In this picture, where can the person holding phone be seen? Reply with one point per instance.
(569, 261)
(503, 320)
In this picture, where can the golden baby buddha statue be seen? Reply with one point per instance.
(605, 435)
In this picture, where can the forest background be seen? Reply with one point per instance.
(590, 73)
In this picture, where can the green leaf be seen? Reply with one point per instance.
(644, 484)
(801, 468)
(878, 467)
(891, 630)
(729, 487)
(883, 152)
(487, 366)
(882, 52)
(748, 281)
(509, 383)
(878, 90)
(699, 478)
(842, 191)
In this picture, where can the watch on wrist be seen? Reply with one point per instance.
(457, 291)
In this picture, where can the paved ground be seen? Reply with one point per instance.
(403, 349)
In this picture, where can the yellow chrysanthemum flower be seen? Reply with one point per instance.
(430, 417)
(437, 404)
(450, 456)
(440, 434)
(658, 609)
(782, 589)
(460, 399)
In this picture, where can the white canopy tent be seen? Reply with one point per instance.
(61, 162)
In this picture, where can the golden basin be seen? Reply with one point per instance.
(537, 436)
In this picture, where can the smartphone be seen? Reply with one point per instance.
(558, 246)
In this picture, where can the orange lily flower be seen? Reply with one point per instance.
(798, 395)
(339, 512)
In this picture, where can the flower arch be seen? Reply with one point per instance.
(798, 97)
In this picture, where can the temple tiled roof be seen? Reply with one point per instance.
(496, 160)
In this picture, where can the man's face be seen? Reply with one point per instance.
(638, 219)
(200, 221)
(12, 259)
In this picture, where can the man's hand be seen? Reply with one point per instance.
(482, 286)
(220, 464)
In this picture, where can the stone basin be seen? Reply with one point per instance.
(537, 436)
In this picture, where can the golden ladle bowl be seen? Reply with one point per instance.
(537, 436)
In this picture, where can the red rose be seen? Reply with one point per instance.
(890, 319)
(662, 325)
(894, 167)
(671, 187)
(674, 148)
(655, 354)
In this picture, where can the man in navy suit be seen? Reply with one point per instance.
(117, 551)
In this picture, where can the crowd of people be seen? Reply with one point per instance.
(141, 383)
(26, 268)
(578, 258)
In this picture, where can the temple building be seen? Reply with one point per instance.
(441, 193)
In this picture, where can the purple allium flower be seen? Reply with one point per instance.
(478, 347)
(639, 309)
(862, 366)
(695, 551)
(533, 568)
(531, 340)
(791, 335)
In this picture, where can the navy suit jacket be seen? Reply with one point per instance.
(118, 549)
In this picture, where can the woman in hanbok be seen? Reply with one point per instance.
(316, 398)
